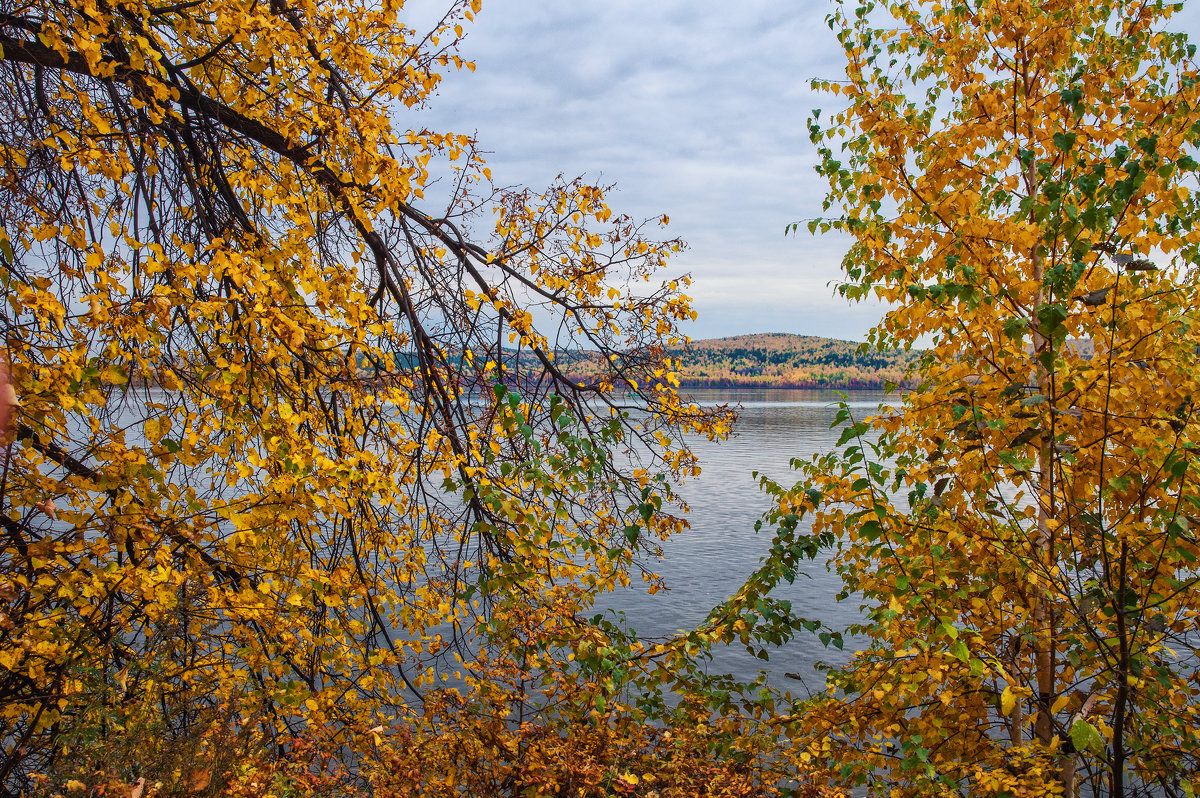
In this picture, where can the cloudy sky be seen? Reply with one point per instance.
(693, 108)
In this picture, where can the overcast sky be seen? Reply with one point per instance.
(693, 108)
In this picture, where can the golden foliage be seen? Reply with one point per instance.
(278, 503)
(1017, 181)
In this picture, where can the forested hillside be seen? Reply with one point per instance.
(775, 360)
(788, 361)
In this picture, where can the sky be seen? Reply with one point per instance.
(696, 109)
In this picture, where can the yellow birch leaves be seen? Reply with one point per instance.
(1018, 181)
(295, 466)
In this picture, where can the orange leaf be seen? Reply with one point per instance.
(199, 780)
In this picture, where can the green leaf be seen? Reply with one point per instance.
(1064, 141)
(1119, 483)
(871, 530)
(1085, 737)
(1051, 317)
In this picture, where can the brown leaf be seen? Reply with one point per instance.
(199, 780)
(136, 790)
(48, 508)
(1096, 297)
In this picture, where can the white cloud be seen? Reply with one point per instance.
(694, 108)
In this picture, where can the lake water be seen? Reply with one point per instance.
(706, 564)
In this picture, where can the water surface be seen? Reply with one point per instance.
(706, 564)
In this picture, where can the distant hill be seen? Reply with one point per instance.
(764, 360)
(782, 360)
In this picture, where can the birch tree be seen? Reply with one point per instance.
(1018, 183)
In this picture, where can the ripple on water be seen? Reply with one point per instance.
(706, 564)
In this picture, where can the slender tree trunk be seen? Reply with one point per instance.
(1120, 703)
(1067, 774)
(1043, 619)
(1024, 78)
(1016, 721)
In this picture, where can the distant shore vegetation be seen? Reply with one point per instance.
(783, 360)
(777, 360)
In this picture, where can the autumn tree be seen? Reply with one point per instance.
(295, 468)
(1017, 180)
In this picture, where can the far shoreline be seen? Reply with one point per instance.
(812, 385)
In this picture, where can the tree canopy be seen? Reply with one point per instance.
(295, 489)
(1018, 181)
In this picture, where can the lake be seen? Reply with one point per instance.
(706, 564)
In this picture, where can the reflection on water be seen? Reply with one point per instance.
(705, 565)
